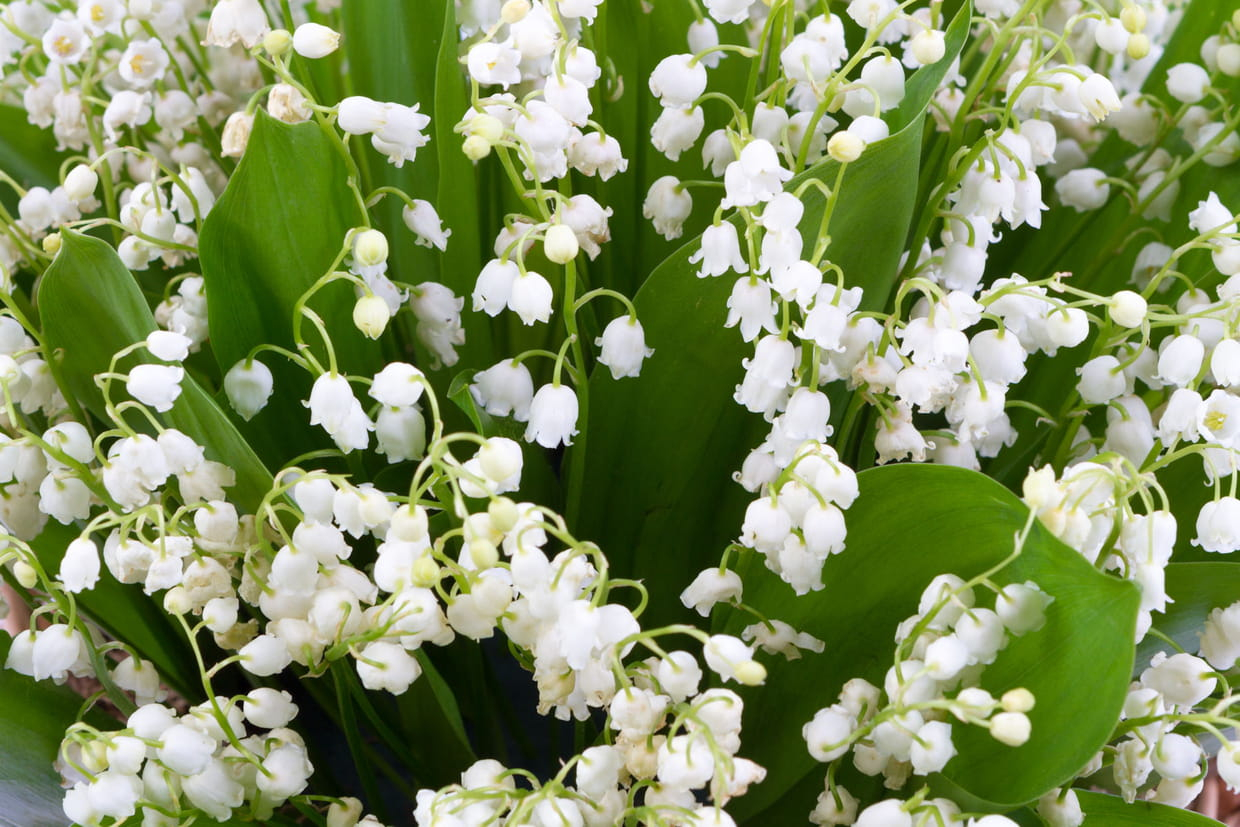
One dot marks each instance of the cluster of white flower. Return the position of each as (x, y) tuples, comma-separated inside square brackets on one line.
[(904, 728)]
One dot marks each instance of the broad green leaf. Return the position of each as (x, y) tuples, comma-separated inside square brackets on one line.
[(274, 232), (661, 449), (921, 521), (33, 718), (1103, 810), (88, 287), (1196, 589)]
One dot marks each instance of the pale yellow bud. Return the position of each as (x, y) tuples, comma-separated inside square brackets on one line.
[(177, 602), (26, 576), (51, 243), (514, 11), (560, 244), (425, 572), (371, 315), (370, 247), (1017, 700), (503, 513), (1011, 728), (277, 42), (476, 147), (750, 673), (1138, 46), (1133, 19), (486, 126), (483, 553), (845, 147)]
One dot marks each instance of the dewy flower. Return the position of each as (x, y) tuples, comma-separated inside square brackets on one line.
[(553, 416), (623, 346)]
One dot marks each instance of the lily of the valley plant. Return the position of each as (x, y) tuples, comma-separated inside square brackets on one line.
[(641, 412)]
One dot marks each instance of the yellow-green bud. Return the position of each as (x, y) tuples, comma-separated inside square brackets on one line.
[(514, 11), (1132, 18), (425, 572), (504, 514), (26, 576), (476, 147), (484, 553), (370, 247), (177, 602), (750, 673), (845, 147), (1138, 46), (560, 244), (51, 243), (277, 42), (1017, 700), (371, 315), (486, 126)]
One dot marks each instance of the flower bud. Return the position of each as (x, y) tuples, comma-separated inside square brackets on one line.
[(51, 243), (476, 147), (514, 11), (483, 553), (500, 459), (1017, 700), (1133, 18), (344, 813), (1128, 309), (1138, 46), (750, 673), (845, 147), (560, 244), (1011, 728), (487, 127), (177, 602), (425, 572), (248, 387), (1228, 58), (277, 42), (503, 513), (370, 248), (314, 40), (370, 315), (80, 183), (25, 574), (928, 46)]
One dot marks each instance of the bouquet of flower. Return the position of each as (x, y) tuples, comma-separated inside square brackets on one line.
[(641, 412)]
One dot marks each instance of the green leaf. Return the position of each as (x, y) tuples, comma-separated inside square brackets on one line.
[(1196, 589), (922, 521), (1103, 810), (33, 718), (87, 285), (274, 232)]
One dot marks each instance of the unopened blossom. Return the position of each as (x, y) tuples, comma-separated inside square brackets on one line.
[(314, 40), (678, 81)]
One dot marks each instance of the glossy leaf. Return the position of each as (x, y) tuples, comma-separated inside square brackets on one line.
[(33, 718), (1103, 810), (274, 232), (87, 280), (910, 524), (662, 448)]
